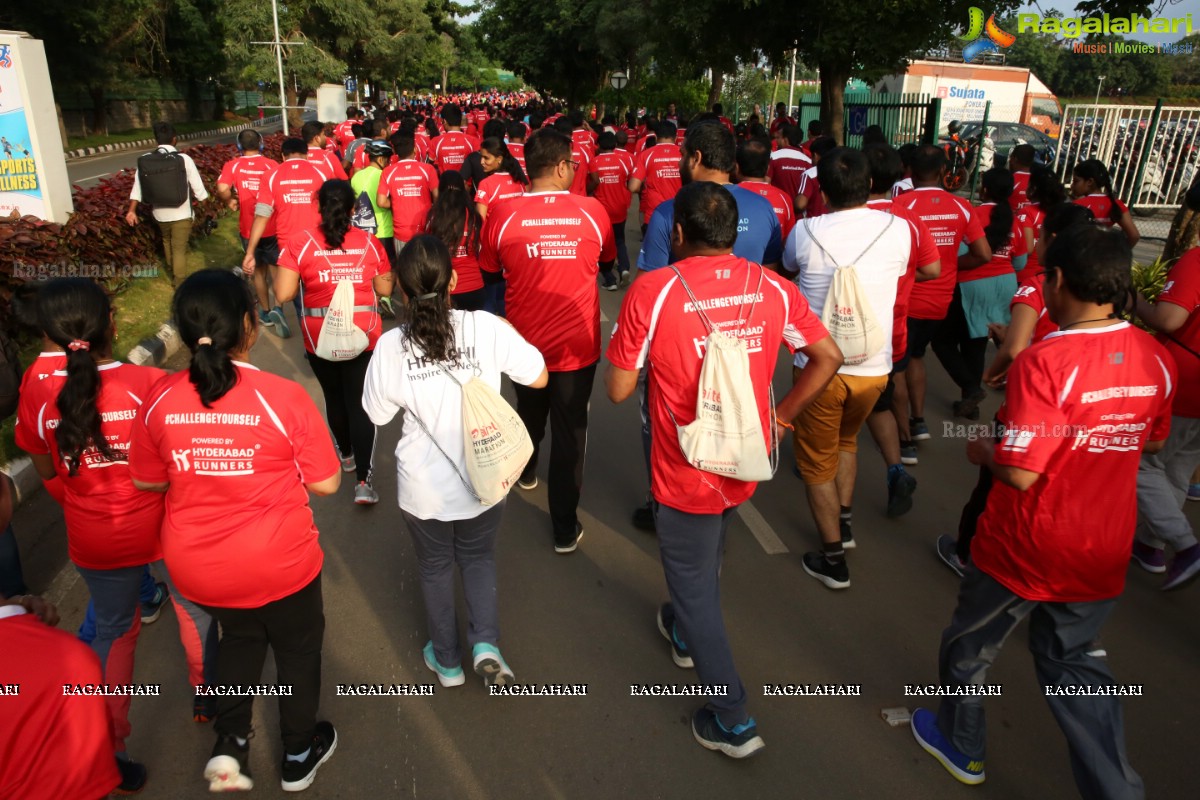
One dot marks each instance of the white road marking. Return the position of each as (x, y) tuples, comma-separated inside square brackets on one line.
[(762, 531), (604, 317), (93, 177)]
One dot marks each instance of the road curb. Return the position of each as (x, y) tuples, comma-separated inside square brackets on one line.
[(84, 152), (149, 352)]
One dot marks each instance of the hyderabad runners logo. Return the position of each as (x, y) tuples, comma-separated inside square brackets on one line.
[(984, 38)]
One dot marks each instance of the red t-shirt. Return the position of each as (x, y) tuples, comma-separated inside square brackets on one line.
[(1183, 289), (496, 187), (421, 147), (1102, 208), (360, 259), (517, 151), (1079, 408), (778, 123), (951, 220), (464, 260), (247, 174), (658, 328), (1020, 185), (325, 157), (450, 150), (583, 157), (585, 140), (409, 186), (614, 169), (42, 367), (238, 531), (549, 246), (810, 187), (788, 165), (343, 133), (1031, 217), (658, 170), (54, 746), (921, 253), (292, 191), (1001, 263), (680, 137), (1029, 293), (780, 202), (110, 524)]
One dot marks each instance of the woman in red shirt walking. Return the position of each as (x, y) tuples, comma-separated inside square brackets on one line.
[(237, 452), (323, 257), (1091, 186), (456, 221)]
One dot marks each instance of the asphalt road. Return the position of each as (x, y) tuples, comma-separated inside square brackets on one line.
[(588, 618)]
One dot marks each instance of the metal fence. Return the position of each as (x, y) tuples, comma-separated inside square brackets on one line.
[(1151, 153), (904, 118)]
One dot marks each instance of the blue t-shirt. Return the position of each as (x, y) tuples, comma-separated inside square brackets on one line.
[(759, 237)]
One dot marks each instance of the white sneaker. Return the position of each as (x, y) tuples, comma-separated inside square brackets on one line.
[(348, 464), (365, 494), (490, 665)]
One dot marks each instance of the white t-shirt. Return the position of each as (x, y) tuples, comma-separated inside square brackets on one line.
[(177, 213), (845, 235), (400, 379)]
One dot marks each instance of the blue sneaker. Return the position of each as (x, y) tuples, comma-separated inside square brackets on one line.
[(741, 742), (919, 430), (280, 326), (1193, 491), (447, 676), (490, 665), (925, 731), (666, 626)]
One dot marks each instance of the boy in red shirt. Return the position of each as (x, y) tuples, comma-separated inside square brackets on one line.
[(451, 149), (608, 180), (408, 188), (656, 173), (314, 137), (753, 162), (1053, 542)]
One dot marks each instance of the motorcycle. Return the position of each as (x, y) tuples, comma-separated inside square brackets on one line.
[(961, 157)]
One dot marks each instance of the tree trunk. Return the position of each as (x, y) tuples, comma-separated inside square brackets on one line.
[(1185, 230), (99, 111), (295, 116), (833, 91), (714, 91), (62, 126), (445, 80)]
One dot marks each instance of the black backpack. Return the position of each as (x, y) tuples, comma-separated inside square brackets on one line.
[(163, 178), (10, 376)]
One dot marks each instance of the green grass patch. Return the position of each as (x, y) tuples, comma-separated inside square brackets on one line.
[(77, 142), (221, 249)]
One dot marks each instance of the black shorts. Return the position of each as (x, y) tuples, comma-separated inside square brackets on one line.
[(885, 400), (267, 251), (920, 334)]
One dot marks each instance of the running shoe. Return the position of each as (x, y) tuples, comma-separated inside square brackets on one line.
[(666, 626), (968, 407), (1193, 491), (742, 741), (1183, 568), (385, 308), (835, 576), (643, 518), (962, 767), (447, 676), (204, 708), (625, 278), (919, 430), (491, 666), (847, 533), (133, 777), (528, 484), (153, 610), (1151, 559), (908, 454), (228, 769), (365, 494), (280, 328), (609, 281), (299, 775), (264, 319), (901, 486), (947, 550), (348, 464), (573, 545)]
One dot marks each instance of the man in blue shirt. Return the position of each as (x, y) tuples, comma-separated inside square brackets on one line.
[(708, 154)]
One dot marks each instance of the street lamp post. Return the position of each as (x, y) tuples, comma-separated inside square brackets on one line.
[(618, 80), (1099, 83)]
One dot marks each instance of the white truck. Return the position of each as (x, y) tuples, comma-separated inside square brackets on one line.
[(1016, 93)]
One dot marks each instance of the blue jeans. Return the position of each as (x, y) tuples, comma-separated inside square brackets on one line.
[(147, 591)]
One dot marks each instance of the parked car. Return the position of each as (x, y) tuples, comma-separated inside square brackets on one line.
[(1007, 135)]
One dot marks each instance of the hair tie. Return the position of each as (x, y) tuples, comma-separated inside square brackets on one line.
[(203, 340), (78, 344), (430, 296)]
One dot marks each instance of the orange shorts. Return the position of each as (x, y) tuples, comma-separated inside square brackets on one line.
[(831, 423)]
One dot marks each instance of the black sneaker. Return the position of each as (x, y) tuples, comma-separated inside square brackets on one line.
[(609, 281), (204, 708), (133, 777), (563, 548), (228, 769), (153, 610), (666, 626), (968, 407), (643, 518), (947, 550), (741, 742), (299, 775), (900, 491), (844, 527), (835, 576)]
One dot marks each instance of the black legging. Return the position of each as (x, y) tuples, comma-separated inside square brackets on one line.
[(961, 355), (342, 384)]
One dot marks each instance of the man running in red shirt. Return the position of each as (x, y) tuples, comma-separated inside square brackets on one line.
[(343, 133), (408, 188), (451, 149), (608, 180), (781, 119), (315, 139), (516, 142), (582, 136), (290, 197), (809, 202), (551, 245), (789, 162), (656, 173), (753, 161), (581, 155), (1053, 542)]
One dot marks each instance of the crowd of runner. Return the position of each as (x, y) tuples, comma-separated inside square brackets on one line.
[(487, 226)]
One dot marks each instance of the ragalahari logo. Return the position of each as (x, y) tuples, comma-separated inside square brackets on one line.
[(984, 38)]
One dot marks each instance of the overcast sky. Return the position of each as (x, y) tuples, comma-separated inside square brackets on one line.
[(1179, 9)]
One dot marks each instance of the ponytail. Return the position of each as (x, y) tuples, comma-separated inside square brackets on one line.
[(76, 314), (1045, 188), (335, 199), (508, 162), (998, 182), (1093, 169), (453, 214), (211, 308), (423, 269)]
